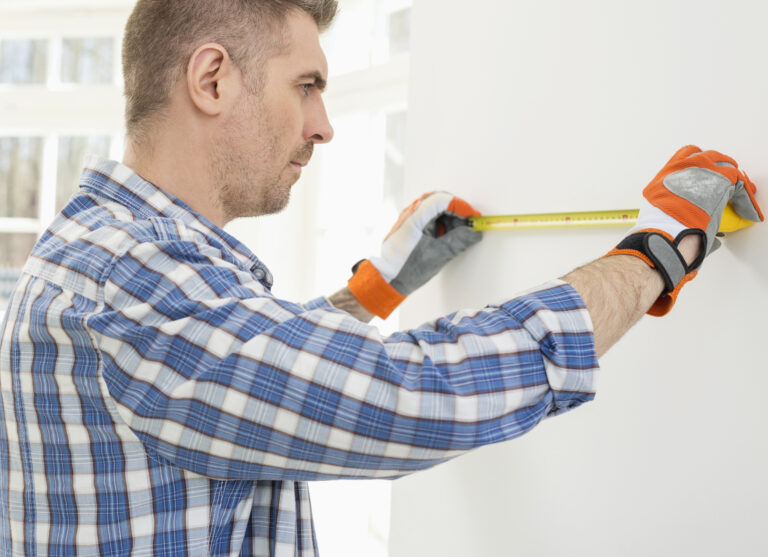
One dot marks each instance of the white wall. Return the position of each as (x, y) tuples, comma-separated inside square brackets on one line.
[(546, 105)]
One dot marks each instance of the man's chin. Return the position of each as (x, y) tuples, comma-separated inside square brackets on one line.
[(272, 201), (274, 204)]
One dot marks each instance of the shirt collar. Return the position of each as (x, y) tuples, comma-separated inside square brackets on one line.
[(117, 182)]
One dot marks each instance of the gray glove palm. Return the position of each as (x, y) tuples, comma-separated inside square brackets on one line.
[(429, 233)]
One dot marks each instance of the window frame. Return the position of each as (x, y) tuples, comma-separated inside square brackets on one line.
[(56, 109)]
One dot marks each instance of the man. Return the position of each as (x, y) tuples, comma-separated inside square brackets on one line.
[(158, 400)]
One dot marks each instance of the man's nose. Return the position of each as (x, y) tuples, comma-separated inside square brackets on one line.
[(318, 129)]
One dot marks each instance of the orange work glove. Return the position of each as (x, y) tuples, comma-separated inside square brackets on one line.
[(429, 233), (687, 197)]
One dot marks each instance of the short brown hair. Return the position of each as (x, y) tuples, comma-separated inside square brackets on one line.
[(161, 35)]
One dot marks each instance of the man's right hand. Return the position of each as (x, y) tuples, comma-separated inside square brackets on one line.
[(686, 198), (429, 233)]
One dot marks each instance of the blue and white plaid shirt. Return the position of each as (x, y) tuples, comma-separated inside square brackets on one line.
[(157, 399)]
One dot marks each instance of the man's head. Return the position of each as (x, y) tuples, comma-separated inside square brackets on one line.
[(161, 35), (230, 90)]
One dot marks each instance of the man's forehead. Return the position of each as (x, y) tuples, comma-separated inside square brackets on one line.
[(302, 46)]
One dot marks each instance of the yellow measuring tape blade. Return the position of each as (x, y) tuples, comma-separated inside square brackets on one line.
[(585, 219)]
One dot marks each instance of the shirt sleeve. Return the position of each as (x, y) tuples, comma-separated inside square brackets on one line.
[(213, 373)]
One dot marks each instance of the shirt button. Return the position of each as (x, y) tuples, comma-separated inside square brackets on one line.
[(259, 274)]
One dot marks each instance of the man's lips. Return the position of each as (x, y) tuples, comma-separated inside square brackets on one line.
[(303, 155)]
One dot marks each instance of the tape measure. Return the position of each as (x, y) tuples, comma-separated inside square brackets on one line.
[(585, 219)]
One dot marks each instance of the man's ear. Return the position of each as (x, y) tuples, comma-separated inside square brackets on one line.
[(213, 80)]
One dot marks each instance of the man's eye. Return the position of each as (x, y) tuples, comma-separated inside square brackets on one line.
[(307, 88)]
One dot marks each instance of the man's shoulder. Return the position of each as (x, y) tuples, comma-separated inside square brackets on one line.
[(86, 239)]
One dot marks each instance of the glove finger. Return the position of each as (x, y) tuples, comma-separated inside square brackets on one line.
[(716, 245), (455, 215), (717, 162), (685, 157), (751, 190), (444, 223), (720, 159), (684, 153), (461, 208), (744, 202), (421, 211)]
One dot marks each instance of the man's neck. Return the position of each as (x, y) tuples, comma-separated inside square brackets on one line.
[(183, 174)]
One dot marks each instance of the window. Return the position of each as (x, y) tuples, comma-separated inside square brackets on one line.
[(23, 61), (399, 32), (21, 161), (59, 100), (71, 154), (87, 61), (15, 248)]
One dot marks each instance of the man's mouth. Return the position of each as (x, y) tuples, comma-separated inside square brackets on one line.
[(303, 155)]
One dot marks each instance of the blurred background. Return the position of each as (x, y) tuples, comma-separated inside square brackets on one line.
[(61, 98)]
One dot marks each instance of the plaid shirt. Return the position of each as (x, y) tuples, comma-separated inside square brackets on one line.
[(157, 399)]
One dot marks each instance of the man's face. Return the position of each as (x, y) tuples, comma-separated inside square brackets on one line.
[(271, 134)]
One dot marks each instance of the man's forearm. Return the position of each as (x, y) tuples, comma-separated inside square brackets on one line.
[(344, 300), (619, 289)]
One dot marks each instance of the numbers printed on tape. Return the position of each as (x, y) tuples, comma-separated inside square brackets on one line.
[(585, 219)]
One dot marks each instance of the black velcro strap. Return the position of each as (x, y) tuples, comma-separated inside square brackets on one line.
[(664, 254), (356, 265), (667, 259), (633, 242)]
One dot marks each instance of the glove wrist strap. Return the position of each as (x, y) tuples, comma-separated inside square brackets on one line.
[(660, 252), (372, 291)]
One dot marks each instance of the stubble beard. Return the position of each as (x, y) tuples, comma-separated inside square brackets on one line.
[(250, 180)]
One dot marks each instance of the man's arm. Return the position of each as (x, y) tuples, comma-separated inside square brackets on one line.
[(344, 300), (216, 375), (679, 219), (618, 290)]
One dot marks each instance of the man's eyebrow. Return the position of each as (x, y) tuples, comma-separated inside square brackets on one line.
[(320, 81)]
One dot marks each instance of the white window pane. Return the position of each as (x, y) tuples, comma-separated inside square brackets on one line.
[(14, 249), (20, 170), (87, 61), (72, 153), (367, 33), (392, 24), (22, 61), (348, 42), (394, 159), (399, 31)]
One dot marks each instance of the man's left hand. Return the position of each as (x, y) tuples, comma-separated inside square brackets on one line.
[(429, 233)]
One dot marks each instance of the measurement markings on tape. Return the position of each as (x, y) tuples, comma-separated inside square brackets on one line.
[(730, 221), (625, 217)]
